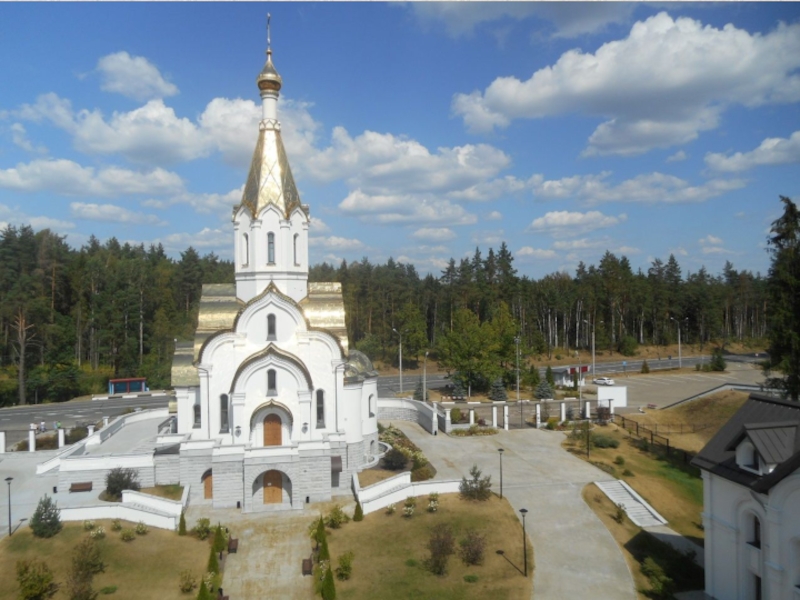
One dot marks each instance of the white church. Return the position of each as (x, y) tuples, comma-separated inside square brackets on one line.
[(276, 409)]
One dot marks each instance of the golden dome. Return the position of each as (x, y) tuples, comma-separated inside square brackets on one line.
[(269, 79)]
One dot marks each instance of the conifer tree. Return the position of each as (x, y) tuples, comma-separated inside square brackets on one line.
[(46, 519), (498, 393)]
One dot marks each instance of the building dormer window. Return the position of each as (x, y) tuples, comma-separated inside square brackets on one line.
[(747, 457), (296, 261), (271, 248), (271, 327), (320, 409), (245, 249), (224, 426), (272, 385)]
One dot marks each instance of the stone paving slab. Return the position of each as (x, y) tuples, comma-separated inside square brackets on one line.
[(576, 556)]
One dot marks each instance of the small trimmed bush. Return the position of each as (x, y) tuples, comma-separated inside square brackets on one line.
[(109, 589), (98, 534), (119, 479), (601, 440), (187, 582), (455, 415), (219, 543), (345, 568), (472, 548), (390, 510), (141, 528), (358, 515), (619, 460), (88, 525), (336, 518), (182, 525), (116, 525), (471, 578), (202, 529), (127, 535), (645, 367), (627, 473), (213, 562), (394, 460)]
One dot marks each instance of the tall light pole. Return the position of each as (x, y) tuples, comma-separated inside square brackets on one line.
[(500, 450), (524, 511), (8, 481), (578, 383), (593, 362), (521, 418), (401, 358), (679, 322), (425, 378)]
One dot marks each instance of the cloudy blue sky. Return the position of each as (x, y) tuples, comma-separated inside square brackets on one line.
[(417, 131)]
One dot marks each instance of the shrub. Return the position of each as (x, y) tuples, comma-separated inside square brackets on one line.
[(408, 512), (46, 519), (182, 525), (628, 346), (423, 473), (619, 513), (35, 580), (410, 562), (662, 585), (441, 545), (645, 367), (141, 528), (324, 552), (552, 422), (219, 543), (75, 435), (477, 488), (88, 525), (98, 534), (109, 589), (336, 518), (213, 562), (544, 390), (394, 460), (328, 587), (627, 473), (202, 529), (358, 515), (345, 568), (472, 548), (410, 501), (86, 563), (433, 506), (698, 366), (187, 582), (600, 440), (127, 535), (548, 376), (471, 578), (204, 594), (455, 415), (116, 525), (497, 393), (619, 460), (119, 479), (390, 509), (717, 360)]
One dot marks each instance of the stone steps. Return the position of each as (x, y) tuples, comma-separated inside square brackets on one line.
[(637, 509)]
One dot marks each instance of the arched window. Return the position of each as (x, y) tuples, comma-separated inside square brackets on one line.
[(224, 426), (270, 327), (320, 409), (756, 539), (271, 248), (371, 405), (245, 249), (196, 416), (272, 386), (296, 261)]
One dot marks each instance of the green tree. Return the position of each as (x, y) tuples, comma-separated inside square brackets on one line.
[(182, 525), (86, 563), (469, 349), (717, 360), (203, 593), (549, 377), (783, 316), (543, 391), (498, 393), (358, 515), (46, 519), (213, 562), (35, 580), (328, 585), (218, 544), (119, 479)]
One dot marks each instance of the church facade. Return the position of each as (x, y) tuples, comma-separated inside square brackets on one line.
[(275, 409)]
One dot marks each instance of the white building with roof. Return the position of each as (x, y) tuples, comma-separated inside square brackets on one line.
[(275, 410)]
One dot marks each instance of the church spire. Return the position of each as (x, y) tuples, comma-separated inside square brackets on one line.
[(269, 82)]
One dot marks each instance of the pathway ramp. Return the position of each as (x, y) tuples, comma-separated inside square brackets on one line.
[(637, 509)]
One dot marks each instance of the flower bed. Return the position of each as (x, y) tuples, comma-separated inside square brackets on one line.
[(421, 469)]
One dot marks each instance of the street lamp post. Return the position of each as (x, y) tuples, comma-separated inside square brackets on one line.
[(524, 511), (425, 378), (8, 481), (580, 389), (401, 358), (521, 418), (500, 450), (594, 374), (678, 321)]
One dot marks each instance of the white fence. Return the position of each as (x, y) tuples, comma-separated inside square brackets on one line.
[(171, 507), (396, 489), (119, 511)]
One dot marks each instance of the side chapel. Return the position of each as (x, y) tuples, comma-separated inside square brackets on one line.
[(276, 409)]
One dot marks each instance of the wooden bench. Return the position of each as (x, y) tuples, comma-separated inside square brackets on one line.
[(83, 486), (233, 545), (652, 406), (308, 566)]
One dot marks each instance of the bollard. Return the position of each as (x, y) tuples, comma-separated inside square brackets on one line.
[(91, 429), (105, 421), (472, 416), (2, 442), (505, 417), (32, 440), (538, 416), (563, 411), (61, 438), (494, 416)]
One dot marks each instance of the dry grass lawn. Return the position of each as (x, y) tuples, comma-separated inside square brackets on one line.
[(170, 492), (689, 426), (390, 552), (636, 543), (368, 477), (673, 490), (147, 567)]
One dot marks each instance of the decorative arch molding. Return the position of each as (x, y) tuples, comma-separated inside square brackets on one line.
[(258, 416), (215, 340), (333, 343), (272, 355), (270, 295), (270, 407), (784, 490)]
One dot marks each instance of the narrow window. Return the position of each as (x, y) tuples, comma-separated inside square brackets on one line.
[(223, 414), (296, 262), (320, 409), (371, 405), (271, 248), (272, 388), (197, 416), (756, 532), (245, 249), (270, 327)]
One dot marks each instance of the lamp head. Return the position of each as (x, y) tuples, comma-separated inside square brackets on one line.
[(524, 511)]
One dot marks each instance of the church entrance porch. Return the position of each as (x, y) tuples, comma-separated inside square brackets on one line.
[(271, 489)]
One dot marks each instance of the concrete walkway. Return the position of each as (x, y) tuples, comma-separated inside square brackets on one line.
[(575, 555), (271, 549)]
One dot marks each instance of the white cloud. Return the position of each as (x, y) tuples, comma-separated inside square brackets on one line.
[(335, 243), (440, 234), (206, 240), (564, 223), (71, 179), (535, 253), (667, 81), (716, 250), (711, 239), (461, 18), (646, 188), (20, 138), (133, 76), (39, 223), (678, 156), (772, 151), (411, 209), (679, 251), (495, 215), (488, 238), (111, 213), (202, 203), (318, 225)]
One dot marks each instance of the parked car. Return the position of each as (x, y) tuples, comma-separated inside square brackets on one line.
[(604, 381)]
